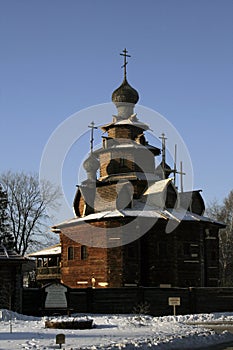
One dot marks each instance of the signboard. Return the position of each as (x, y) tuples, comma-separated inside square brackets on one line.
[(56, 296), (60, 339), (174, 301)]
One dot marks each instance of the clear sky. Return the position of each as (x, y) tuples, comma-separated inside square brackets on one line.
[(59, 57)]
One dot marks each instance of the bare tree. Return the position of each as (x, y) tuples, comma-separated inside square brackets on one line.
[(224, 213), (27, 202), (6, 238)]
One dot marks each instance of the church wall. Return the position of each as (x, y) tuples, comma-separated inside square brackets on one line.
[(190, 258), (125, 132), (144, 161), (130, 160), (120, 132), (86, 263), (104, 158), (105, 265), (212, 257), (115, 267), (183, 258), (131, 259), (111, 162), (197, 256), (105, 198), (157, 257)]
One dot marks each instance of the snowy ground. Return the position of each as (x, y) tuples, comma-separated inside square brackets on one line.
[(114, 332)]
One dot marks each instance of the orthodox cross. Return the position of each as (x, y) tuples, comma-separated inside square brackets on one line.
[(175, 171), (125, 62), (163, 138), (181, 173), (181, 177), (92, 126)]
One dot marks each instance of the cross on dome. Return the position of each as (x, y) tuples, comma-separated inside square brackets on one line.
[(125, 93), (92, 126), (125, 62)]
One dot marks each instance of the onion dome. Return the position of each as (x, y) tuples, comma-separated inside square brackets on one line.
[(125, 93), (91, 165)]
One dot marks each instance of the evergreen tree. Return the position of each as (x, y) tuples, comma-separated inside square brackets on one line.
[(6, 238)]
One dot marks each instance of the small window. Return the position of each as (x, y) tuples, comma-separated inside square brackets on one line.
[(70, 253), (83, 252)]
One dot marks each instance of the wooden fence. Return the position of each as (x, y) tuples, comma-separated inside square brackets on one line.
[(124, 300)]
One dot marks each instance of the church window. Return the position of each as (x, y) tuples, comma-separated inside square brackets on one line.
[(71, 253), (83, 252)]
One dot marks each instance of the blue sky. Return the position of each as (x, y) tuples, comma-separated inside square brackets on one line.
[(59, 57)]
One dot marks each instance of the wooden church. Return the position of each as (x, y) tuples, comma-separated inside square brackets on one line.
[(132, 225)]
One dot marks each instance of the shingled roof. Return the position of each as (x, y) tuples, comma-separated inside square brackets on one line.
[(10, 255)]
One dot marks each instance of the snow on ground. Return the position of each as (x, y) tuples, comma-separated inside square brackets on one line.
[(114, 332)]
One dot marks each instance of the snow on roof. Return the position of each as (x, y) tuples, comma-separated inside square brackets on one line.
[(9, 254), (156, 193), (158, 186), (108, 214), (142, 210), (54, 250), (185, 215), (131, 176), (127, 121)]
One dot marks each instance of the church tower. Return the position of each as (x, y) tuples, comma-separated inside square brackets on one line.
[(119, 236), (125, 157)]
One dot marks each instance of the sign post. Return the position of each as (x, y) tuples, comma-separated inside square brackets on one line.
[(174, 301), (60, 339)]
